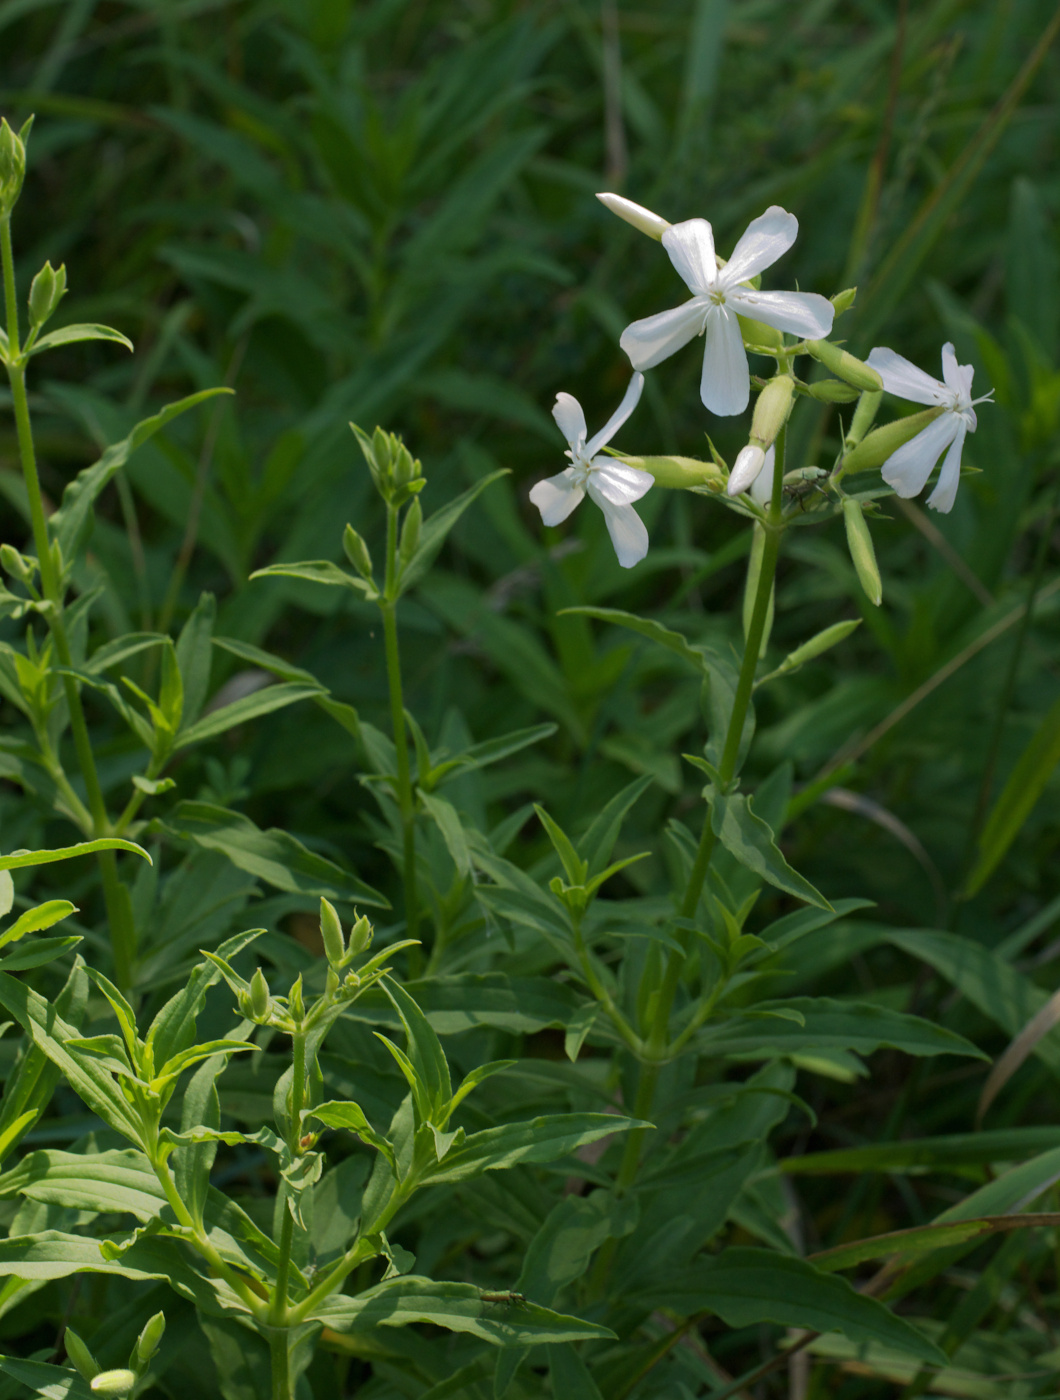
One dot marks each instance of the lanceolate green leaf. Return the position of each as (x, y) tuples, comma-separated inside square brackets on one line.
[(71, 335), (437, 526), (47, 1381), (647, 627), (750, 839), (799, 1024), (19, 859), (749, 1286), (262, 702), (539, 1140)]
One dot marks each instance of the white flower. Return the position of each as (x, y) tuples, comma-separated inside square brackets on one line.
[(908, 469), (762, 486), (651, 224), (610, 483), (717, 296)]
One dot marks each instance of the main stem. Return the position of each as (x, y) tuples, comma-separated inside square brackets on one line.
[(406, 804), (119, 913), (279, 1311)]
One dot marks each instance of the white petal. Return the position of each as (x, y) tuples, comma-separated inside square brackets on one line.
[(951, 370), (726, 385), (903, 379), (654, 339), (618, 483), (767, 238), (628, 532), (635, 214), (745, 469), (802, 313), (908, 469), (945, 492), (567, 412), (556, 497), (691, 249), (630, 399), (762, 486)]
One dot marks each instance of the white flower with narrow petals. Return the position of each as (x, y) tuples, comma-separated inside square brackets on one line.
[(718, 295), (610, 483), (908, 469)]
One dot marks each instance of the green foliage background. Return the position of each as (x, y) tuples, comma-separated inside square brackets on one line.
[(384, 212)]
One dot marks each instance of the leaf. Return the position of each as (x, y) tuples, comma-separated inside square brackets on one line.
[(336, 1114), (924, 1237), (447, 820), (33, 920), (19, 859), (571, 1233), (459, 1307), (747, 1286), (48, 1382), (831, 1024), (750, 840), (1018, 797), (72, 521), (425, 1052), (816, 646), (70, 335), (314, 571), (569, 1375), (647, 627), (248, 707), (957, 1150), (493, 750), (437, 526), (599, 841), (195, 654), (272, 855), (538, 1140), (39, 952)]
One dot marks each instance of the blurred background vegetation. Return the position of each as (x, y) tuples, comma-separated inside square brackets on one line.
[(383, 212)]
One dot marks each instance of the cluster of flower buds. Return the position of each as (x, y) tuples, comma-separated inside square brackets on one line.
[(340, 951), (124, 1380), (12, 164), (398, 476), (46, 292)]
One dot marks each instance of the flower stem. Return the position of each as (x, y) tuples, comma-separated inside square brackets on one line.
[(116, 899), (279, 1308), (406, 801)]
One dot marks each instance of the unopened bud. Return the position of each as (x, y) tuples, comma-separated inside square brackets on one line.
[(833, 391), (149, 1338), (12, 164), (859, 542), (48, 289), (843, 301), (635, 214), (771, 411), (841, 362), (884, 442), (79, 1355), (679, 472), (113, 1382), (360, 936), (295, 1003), (260, 1001), (17, 565), (410, 530), (331, 932), (357, 552), (745, 469), (863, 419)]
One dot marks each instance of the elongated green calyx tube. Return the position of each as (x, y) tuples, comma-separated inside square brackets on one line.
[(833, 391), (881, 443), (12, 165), (859, 542), (148, 1340), (113, 1382), (678, 472), (758, 333), (80, 1355), (331, 932), (635, 214), (864, 417), (260, 1001), (840, 362), (48, 289), (771, 411), (357, 552)]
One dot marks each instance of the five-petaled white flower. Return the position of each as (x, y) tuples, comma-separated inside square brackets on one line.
[(908, 469), (718, 294), (610, 483)]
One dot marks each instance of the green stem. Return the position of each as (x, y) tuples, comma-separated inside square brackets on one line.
[(406, 802), (279, 1308), (600, 992), (119, 913)]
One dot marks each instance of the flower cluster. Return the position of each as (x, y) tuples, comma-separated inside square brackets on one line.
[(728, 309)]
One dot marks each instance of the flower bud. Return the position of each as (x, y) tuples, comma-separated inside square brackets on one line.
[(746, 468), (410, 531), (771, 411), (357, 552), (843, 301), (679, 472), (113, 1382), (884, 442), (396, 473), (260, 1001), (864, 416), (17, 565), (331, 932), (635, 214), (149, 1338), (12, 164), (360, 936), (48, 289), (840, 362), (859, 542), (80, 1356), (295, 1003), (833, 391)]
